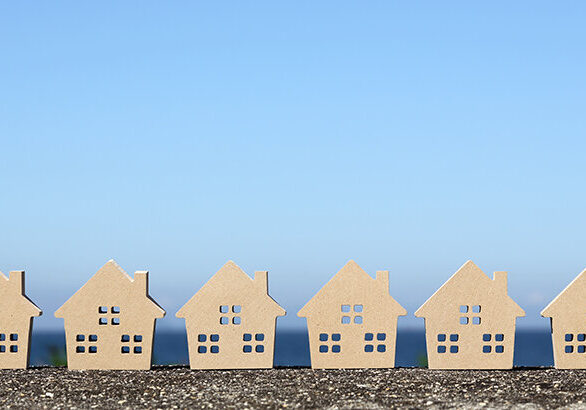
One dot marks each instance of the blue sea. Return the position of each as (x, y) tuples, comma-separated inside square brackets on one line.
[(532, 348)]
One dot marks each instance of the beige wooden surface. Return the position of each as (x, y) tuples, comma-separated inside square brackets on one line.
[(231, 321), (352, 321), (110, 321)]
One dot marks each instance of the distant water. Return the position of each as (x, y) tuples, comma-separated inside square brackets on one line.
[(532, 348)]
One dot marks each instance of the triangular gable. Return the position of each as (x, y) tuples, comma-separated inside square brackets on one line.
[(467, 280), (111, 278), (230, 279), (12, 294), (569, 299), (351, 277)]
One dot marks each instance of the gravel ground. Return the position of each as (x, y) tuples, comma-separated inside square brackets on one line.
[(179, 387)]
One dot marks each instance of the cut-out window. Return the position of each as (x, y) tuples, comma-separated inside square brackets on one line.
[(138, 338), (499, 348), (224, 320), (236, 308), (463, 320), (358, 308), (581, 337), (345, 320), (323, 337), (115, 310), (214, 338), (215, 349), (381, 336), (80, 349), (345, 308), (476, 320), (441, 337), (259, 337), (79, 338), (115, 320), (125, 338), (247, 337), (201, 338), (368, 336), (2, 349), (2, 337), (358, 319), (486, 349), (247, 348), (441, 349), (103, 309), (323, 349), (93, 338), (224, 309), (125, 349), (336, 349), (581, 349), (486, 337), (93, 349), (569, 349), (236, 320), (499, 337), (368, 348), (381, 348), (454, 338), (463, 309), (454, 349), (259, 348), (13, 349), (569, 337), (137, 349), (103, 321), (476, 309), (13, 337), (336, 337)]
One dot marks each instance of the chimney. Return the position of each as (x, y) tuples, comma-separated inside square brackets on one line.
[(16, 280), (141, 281), (261, 280), (500, 280), (382, 278)]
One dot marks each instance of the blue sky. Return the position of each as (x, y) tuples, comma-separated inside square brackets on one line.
[(291, 137)]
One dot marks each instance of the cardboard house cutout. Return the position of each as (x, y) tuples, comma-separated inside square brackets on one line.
[(110, 321), (470, 322), (352, 321), (231, 321), (16, 321), (568, 325)]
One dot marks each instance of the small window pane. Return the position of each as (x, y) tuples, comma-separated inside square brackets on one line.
[(499, 337), (358, 319), (247, 337), (345, 308), (236, 308), (381, 348), (358, 308), (115, 309), (476, 309), (215, 349), (368, 348), (247, 348), (499, 349), (224, 320), (454, 338), (381, 336), (486, 337), (463, 320), (441, 337), (486, 349), (201, 338), (214, 338), (259, 337), (336, 337), (463, 309), (569, 337), (336, 349), (224, 309), (236, 320), (476, 320), (345, 320), (368, 336), (323, 337), (453, 349), (441, 349), (323, 349), (103, 309)]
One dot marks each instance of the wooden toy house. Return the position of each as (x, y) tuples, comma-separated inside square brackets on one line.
[(568, 325), (110, 321), (352, 321), (231, 321), (470, 322), (16, 321)]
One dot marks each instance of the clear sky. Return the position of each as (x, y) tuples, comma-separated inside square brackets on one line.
[(291, 137)]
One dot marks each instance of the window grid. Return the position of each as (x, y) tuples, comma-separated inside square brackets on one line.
[(445, 344), (493, 343), (208, 343), (86, 343), (375, 342), (575, 343), (230, 314), (352, 314), (330, 342), (12, 346), (131, 344), (470, 314), (253, 342), (108, 315)]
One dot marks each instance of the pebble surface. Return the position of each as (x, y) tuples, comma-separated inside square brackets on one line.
[(180, 387)]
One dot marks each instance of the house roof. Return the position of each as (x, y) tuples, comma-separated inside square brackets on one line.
[(468, 281), (13, 298), (231, 279), (570, 299), (350, 278), (114, 281)]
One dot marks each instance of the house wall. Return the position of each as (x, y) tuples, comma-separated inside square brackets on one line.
[(231, 335), (14, 342), (569, 342)]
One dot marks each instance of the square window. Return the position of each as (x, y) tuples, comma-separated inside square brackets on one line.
[(138, 349), (345, 308), (115, 309), (441, 337), (214, 338), (486, 337), (215, 349), (236, 320), (358, 308), (80, 349), (454, 338), (581, 337), (259, 337), (345, 320), (381, 348), (247, 337), (137, 338), (13, 349), (13, 336), (499, 348), (247, 348), (93, 349), (486, 349), (125, 338), (476, 320), (463, 320), (259, 348), (463, 309), (103, 309), (93, 338), (224, 320), (224, 309), (115, 320), (103, 321), (336, 349), (499, 337), (381, 336), (368, 336), (368, 348), (569, 349), (358, 319), (453, 349), (476, 309), (79, 338), (336, 337), (581, 349), (125, 349), (569, 337), (236, 308), (323, 349), (323, 337), (2, 349), (201, 338), (2, 337), (441, 349)]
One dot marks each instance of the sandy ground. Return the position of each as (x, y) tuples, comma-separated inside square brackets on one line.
[(179, 387)]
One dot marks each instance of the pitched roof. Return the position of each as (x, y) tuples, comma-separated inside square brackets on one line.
[(470, 280), (113, 280), (13, 297), (231, 279), (352, 277), (569, 299)]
